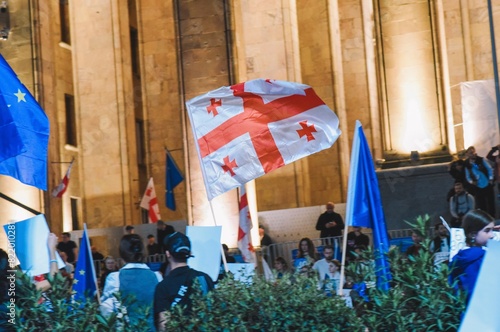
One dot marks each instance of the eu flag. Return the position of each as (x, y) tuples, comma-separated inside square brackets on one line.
[(85, 282), (24, 131), (364, 205), (172, 177)]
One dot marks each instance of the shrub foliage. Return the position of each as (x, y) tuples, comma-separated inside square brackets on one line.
[(420, 299)]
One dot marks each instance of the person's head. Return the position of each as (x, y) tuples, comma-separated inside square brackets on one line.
[(306, 247), (226, 248), (459, 187), (110, 263), (478, 227), (328, 252), (471, 153), (357, 230), (178, 247), (262, 231), (160, 225), (151, 239), (66, 237), (416, 236), (131, 248), (330, 207), (441, 230), (334, 266), (93, 249), (280, 264), (130, 229)]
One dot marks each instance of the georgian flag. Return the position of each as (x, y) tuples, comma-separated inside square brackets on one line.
[(244, 236), (249, 129), (150, 202), (61, 188)]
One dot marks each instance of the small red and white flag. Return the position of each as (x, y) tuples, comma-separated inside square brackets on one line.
[(61, 188), (249, 129), (150, 202), (244, 236)]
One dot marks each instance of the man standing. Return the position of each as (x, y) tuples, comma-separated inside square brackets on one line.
[(69, 247), (153, 247), (480, 175), (176, 287), (460, 203), (330, 223)]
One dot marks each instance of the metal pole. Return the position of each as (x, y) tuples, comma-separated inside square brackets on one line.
[(35, 212), (494, 55)]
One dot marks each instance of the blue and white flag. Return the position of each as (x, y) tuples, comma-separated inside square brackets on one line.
[(85, 281), (28, 239), (482, 311), (24, 131), (364, 205)]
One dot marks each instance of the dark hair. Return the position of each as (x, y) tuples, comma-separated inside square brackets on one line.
[(336, 262), (283, 262), (67, 234), (436, 226), (310, 248), (328, 246), (132, 248), (150, 236), (128, 228), (474, 221)]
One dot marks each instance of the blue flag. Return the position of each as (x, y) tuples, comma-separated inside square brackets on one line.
[(85, 282), (172, 178), (24, 131), (364, 205)]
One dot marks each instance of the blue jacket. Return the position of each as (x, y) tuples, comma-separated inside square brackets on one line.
[(465, 268)]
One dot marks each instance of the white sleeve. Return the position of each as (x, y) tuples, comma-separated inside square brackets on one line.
[(109, 303)]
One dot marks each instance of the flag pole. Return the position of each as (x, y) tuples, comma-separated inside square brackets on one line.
[(94, 276), (340, 290), (10, 199), (226, 269)]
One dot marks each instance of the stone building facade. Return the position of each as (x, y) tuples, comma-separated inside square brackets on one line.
[(113, 77)]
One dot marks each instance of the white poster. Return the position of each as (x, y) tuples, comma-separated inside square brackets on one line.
[(480, 116), (206, 249)]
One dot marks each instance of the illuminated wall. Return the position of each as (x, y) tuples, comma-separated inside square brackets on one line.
[(412, 109)]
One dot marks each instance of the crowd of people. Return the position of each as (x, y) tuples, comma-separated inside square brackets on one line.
[(471, 203)]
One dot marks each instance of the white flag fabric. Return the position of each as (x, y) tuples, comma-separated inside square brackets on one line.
[(244, 236), (61, 188), (479, 115), (150, 202), (249, 129)]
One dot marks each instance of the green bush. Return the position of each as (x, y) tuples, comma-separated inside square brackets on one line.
[(420, 299)]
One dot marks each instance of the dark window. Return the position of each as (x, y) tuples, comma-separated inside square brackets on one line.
[(69, 102), (74, 213), (141, 147), (134, 50), (64, 17)]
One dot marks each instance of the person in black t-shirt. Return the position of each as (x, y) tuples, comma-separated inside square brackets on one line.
[(69, 247), (176, 287)]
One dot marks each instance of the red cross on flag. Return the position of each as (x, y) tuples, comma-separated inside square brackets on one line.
[(244, 236), (150, 202), (249, 129)]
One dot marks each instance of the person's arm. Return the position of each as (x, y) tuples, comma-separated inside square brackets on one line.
[(320, 225), (339, 221), (490, 155), (75, 252), (163, 318), (452, 208), (52, 243), (489, 169), (472, 202)]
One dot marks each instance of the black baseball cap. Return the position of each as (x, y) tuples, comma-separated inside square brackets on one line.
[(178, 245)]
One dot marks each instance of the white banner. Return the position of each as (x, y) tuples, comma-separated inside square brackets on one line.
[(480, 115)]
